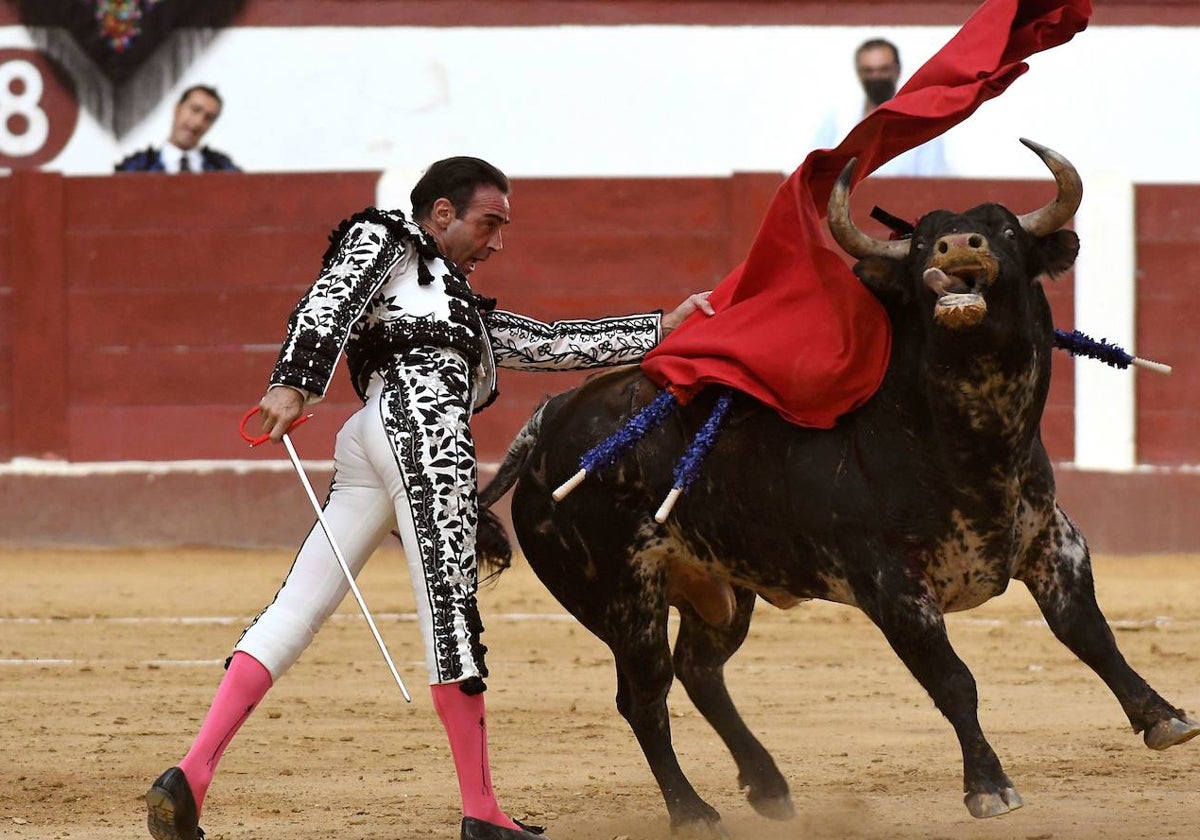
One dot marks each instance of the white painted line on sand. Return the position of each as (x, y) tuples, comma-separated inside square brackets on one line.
[(246, 619)]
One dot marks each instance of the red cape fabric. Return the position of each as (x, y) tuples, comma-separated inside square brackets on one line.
[(794, 327)]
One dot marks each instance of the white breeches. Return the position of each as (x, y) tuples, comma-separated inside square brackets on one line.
[(405, 461)]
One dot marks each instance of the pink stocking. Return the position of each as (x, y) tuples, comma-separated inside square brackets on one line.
[(463, 717), (242, 688)]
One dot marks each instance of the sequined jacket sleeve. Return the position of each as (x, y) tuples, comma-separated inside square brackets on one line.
[(321, 323), (521, 342)]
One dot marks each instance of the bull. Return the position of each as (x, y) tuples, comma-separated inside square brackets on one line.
[(928, 499)]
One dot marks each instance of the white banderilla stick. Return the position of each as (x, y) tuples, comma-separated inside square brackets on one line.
[(337, 552)]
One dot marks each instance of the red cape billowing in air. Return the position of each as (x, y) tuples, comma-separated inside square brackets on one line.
[(794, 327)]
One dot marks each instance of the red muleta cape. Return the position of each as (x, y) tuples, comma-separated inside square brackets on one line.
[(794, 327)]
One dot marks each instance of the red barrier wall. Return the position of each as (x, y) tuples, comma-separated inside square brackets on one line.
[(6, 308), (148, 309), (1168, 408), (141, 315)]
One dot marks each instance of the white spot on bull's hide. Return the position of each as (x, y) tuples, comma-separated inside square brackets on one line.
[(1074, 548), (1064, 562)]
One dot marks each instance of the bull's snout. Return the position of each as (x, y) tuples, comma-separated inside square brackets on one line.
[(960, 270), (965, 263), (960, 241)]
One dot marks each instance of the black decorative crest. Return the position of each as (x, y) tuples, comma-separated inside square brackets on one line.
[(124, 55)]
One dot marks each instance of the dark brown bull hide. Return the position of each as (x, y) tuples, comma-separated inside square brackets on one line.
[(928, 499)]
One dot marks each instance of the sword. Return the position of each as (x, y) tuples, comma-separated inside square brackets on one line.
[(337, 552)]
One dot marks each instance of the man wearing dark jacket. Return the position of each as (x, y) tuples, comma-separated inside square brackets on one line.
[(195, 113)]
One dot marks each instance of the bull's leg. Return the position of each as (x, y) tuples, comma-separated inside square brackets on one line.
[(640, 646), (622, 601), (905, 609), (1058, 573), (701, 652)]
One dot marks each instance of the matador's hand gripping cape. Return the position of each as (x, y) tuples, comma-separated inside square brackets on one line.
[(794, 327)]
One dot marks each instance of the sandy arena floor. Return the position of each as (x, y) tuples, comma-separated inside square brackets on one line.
[(108, 661)]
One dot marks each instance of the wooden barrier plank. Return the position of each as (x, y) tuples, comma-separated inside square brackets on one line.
[(5, 385), (607, 205), (6, 452), (169, 377), (749, 196), (5, 213), (1167, 212), (1166, 437), (184, 433), (220, 200), (214, 260), (1058, 420), (38, 321), (6, 306), (180, 377), (1168, 407), (197, 319)]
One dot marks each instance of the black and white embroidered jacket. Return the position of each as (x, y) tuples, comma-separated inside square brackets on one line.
[(384, 287)]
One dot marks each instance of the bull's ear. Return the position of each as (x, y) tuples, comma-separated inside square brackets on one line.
[(1058, 251), (882, 276)]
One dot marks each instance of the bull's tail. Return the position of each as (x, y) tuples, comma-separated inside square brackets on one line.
[(492, 546)]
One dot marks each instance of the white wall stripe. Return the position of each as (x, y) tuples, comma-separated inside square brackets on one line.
[(1106, 307)]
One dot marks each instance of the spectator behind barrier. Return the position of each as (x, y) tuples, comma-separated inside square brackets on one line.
[(195, 113), (877, 64)]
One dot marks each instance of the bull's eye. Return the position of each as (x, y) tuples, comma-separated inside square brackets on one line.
[(1009, 233)]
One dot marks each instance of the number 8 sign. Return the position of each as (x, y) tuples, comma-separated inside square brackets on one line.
[(38, 109)]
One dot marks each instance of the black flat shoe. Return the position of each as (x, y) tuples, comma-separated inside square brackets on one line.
[(171, 808), (473, 829)]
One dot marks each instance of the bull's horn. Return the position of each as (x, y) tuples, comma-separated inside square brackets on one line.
[(853, 241), (1070, 193)]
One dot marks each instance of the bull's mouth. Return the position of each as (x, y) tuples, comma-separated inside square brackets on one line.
[(956, 311), (961, 276), (960, 302), (974, 277)]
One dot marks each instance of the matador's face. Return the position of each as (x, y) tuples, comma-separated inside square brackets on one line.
[(470, 238)]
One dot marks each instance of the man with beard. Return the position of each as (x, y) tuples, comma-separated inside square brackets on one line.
[(877, 64), (394, 296)]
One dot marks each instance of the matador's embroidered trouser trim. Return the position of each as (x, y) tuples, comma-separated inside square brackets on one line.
[(426, 408), (406, 460)]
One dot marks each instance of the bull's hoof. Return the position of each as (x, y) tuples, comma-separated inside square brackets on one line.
[(983, 805), (1168, 733), (701, 830), (774, 807)]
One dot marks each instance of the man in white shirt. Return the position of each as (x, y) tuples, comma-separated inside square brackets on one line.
[(195, 113), (877, 63)]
